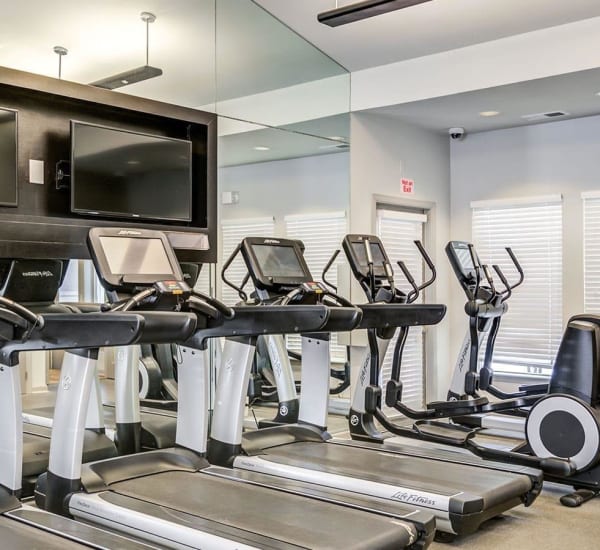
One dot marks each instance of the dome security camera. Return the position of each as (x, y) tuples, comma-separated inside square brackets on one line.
[(457, 133)]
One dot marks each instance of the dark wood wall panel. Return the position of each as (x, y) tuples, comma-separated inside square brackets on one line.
[(42, 224)]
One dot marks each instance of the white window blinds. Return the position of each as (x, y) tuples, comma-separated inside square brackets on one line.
[(232, 233), (321, 234), (591, 252), (530, 332), (398, 231)]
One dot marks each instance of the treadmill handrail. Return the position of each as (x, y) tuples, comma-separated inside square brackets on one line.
[(254, 320)]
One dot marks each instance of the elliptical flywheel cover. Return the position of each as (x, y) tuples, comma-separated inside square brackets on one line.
[(564, 426)]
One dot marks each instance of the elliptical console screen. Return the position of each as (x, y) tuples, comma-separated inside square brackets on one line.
[(376, 252), (354, 247), (135, 256), (278, 261), (460, 257)]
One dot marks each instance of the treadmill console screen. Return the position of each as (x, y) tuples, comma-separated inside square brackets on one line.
[(127, 259), (275, 264), (134, 256), (278, 261)]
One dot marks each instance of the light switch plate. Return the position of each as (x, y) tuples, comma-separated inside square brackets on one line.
[(36, 171)]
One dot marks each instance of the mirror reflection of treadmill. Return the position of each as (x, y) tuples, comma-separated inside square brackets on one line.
[(461, 493)]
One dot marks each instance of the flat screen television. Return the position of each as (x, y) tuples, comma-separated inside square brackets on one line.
[(8, 157), (125, 174)]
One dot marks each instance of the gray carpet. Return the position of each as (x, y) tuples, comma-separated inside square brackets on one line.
[(545, 525)]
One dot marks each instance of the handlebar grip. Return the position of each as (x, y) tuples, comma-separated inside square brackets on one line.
[(423, 253), (225, 310), (204, 307), (557, 466), (28, 315), (406, 272)]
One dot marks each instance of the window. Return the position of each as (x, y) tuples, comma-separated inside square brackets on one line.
[(322, 235), (233, 232), (531, 330), (591, 252), (398, 230), (81, 284)]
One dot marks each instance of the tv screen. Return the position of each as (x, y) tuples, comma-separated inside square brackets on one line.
[(278, 261), (131, 175), (134, 256), (8, 158)]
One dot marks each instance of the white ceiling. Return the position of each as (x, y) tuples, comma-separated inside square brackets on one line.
[(255, 53), (574, 93), (425, 29)]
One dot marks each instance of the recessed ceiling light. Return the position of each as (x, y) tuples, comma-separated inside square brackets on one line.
[(336, 138), (261, 148), (597, 93), (124, 81), (489, 113)]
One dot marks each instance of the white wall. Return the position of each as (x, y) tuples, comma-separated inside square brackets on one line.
[(295, 186), (558, 157), (383, 151)]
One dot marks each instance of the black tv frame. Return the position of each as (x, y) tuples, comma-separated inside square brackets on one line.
[(120, 215)]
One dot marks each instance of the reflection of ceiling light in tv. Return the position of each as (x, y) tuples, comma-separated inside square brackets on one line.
[(138, 74), (133, 162), (261, 148)]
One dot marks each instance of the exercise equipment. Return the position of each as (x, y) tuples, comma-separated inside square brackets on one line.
[(461, 497), (174, 497), (551, 447), (23, 526), (271, 379)]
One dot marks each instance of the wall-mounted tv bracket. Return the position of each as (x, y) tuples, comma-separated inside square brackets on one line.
[(63, 174)]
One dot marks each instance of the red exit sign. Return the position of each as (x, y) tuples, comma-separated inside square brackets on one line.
[(408, 186)]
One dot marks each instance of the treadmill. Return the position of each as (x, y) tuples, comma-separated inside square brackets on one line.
[(19, 282), (39, 294), (23, 526), (461, 496), (173, 497)]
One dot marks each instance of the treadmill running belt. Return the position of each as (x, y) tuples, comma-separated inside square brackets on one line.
[(413, 472), (271, 513), (17, 536)]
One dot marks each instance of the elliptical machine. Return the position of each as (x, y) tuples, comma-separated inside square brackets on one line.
[(564, 421), (563, 433)]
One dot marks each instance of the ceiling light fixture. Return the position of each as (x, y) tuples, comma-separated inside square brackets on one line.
[(261, 148), (60, 51), (138, 74), (597, 93), (489, 113), (363, 10)]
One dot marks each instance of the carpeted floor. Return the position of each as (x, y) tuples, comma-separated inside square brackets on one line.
[(546, 525)]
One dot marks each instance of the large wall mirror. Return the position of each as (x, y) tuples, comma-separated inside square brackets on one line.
[(283, 106)]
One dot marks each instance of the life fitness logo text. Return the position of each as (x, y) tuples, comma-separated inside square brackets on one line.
[(413, 498), (44, 273), (271, 241), (129, 232)]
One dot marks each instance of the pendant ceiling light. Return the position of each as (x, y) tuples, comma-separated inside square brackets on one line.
[(138, 74), (363, 10)]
